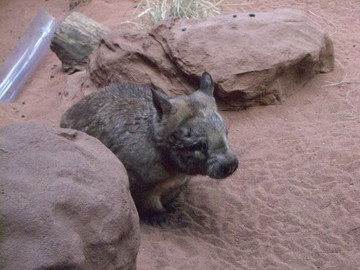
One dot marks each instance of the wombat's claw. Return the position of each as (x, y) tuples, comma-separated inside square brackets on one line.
[(157, 219)]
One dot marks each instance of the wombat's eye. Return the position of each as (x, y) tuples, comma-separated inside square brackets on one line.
[(199, 146), (179, 135)]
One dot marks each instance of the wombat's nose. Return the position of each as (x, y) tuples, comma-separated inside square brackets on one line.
[(227, 168), (223, 166), (232, 166)]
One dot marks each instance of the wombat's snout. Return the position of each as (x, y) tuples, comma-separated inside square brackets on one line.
[(229, 167), (223, 167)]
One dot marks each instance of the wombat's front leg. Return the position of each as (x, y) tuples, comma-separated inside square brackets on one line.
[(155, 204), (152, 210)]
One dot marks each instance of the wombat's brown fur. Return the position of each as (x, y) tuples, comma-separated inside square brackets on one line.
[(160, 140)]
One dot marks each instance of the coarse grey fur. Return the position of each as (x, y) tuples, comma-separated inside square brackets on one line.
[(160, 140)]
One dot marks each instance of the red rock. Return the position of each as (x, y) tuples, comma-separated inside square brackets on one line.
[(253, 60), (65, 202)]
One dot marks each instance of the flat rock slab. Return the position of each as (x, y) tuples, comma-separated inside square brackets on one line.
[(255, 59), (65, 202)]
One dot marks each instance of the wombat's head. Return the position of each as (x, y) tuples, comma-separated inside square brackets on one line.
[(192, 133)]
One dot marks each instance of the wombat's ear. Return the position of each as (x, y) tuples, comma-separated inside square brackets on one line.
[(207, 84), (161, 103)]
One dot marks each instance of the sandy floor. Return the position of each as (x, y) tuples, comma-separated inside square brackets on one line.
[(294, 202)]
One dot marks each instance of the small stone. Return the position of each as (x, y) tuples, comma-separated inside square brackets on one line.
[(52, 76), (184, 29), (234, 16), (252, 15), (351, 182)]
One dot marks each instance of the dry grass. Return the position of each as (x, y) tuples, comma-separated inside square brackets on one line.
[(159, 10), (154, 11)]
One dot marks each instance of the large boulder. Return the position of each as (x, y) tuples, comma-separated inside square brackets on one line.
[(65, 202), (257, 59)]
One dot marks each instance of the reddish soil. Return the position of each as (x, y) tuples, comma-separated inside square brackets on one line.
[(294, 202)]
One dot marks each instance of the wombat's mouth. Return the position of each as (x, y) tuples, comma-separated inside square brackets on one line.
[(221, 170)]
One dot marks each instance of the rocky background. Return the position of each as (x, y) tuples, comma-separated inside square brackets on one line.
[(294, 201), (255, 58)]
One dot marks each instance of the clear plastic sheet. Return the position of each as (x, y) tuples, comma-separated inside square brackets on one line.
[(23, 60)]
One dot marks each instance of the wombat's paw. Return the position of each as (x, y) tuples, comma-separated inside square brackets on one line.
[(157, 219), (172, 205)]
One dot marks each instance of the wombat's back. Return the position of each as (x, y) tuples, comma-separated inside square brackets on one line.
[(118, 110)]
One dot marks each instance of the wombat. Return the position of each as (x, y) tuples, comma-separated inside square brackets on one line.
[(160, 140)]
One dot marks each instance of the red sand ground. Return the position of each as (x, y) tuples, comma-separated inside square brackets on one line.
[(294, 201)]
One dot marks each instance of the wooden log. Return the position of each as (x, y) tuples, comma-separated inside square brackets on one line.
[(75, 39)]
